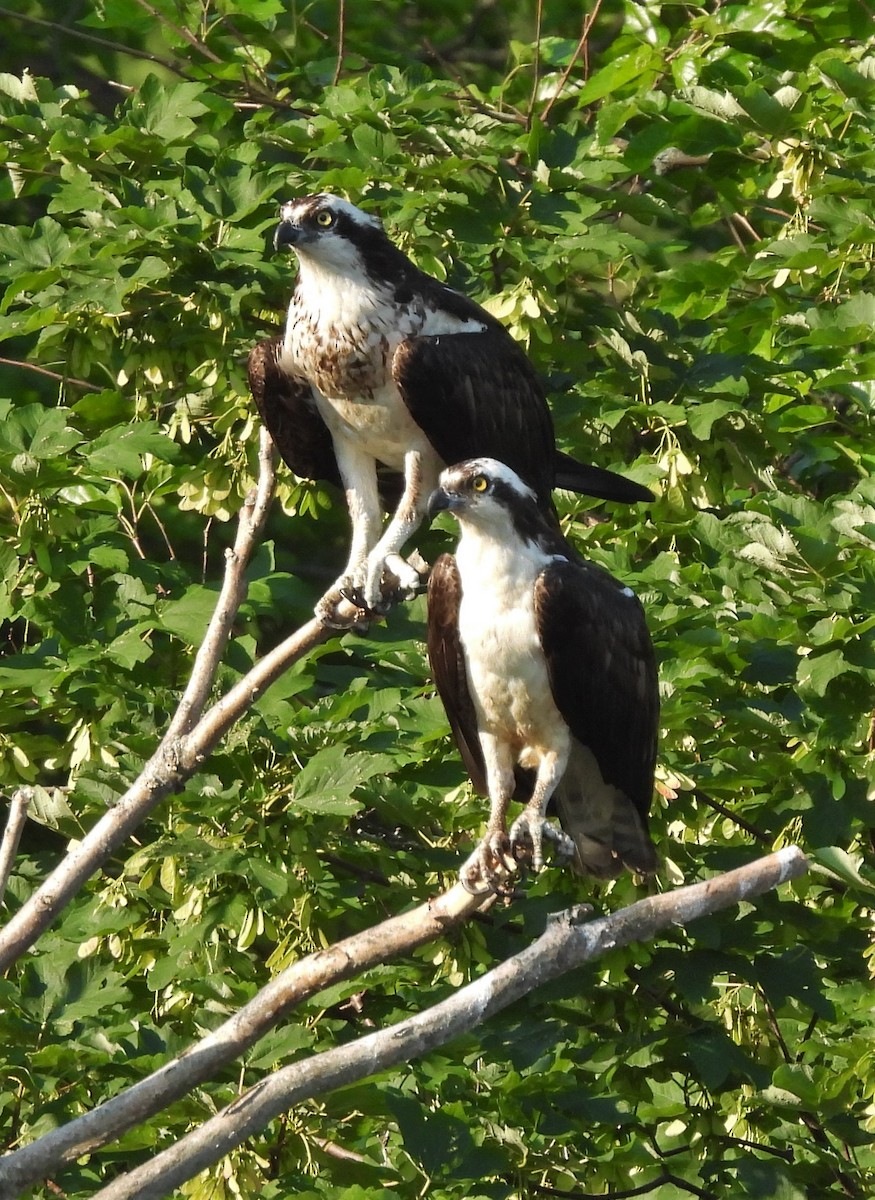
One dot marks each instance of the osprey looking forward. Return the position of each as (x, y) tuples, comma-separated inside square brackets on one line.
[(546, 670), (382, 364)]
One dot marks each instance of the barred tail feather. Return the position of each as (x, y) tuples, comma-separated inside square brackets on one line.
[(607, 830)]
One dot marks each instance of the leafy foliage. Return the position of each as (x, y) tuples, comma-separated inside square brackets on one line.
[(677, 223)]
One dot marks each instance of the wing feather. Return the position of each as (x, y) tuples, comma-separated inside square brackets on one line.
[(476, 395), (447, 659), (603, 677), (286, 407)]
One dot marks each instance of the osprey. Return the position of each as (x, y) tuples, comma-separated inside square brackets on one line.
[(546, 669), (382, 364)]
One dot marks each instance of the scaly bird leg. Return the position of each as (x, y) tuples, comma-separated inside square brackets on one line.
[(491, 863), (420, 480), (531, 826), (359, 473)]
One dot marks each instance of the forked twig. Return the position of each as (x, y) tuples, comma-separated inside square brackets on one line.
[(181, 753)]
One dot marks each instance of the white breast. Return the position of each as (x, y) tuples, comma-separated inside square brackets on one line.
[(341, 335), (507, 671)]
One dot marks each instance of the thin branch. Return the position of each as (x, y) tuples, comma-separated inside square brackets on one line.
[(626, 1193), (776, 1151), (341, 40), (536, 75), (116, 47), (509, 118), (809, 1120), (566, 944), (731, 816), (742, 222), (297, 983), (177, 68), (18, 806), (148, 507), (26, 366), (579, 49), (249, 527), (181, 32), (175, 760), (684, 1185), (339, 1152)]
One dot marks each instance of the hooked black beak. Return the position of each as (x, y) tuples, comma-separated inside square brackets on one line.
[(286, 234), (441, 500)]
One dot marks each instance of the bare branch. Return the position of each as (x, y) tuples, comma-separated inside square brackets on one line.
[(185, 34), (21, 798), (758, 834), (579, 49), (177, 757), (393, 937), (566, 944), (118, 47), (509, 118), (626, 1193), (250, 524), (26, 366)]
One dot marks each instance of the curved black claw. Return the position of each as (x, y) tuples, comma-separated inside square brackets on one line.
[(490, 868), (326, 611), (355, 595), (529, 832)]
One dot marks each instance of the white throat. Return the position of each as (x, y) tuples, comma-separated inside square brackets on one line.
[(339, 295), (493, 559)]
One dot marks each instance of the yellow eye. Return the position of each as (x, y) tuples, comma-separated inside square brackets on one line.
[(324, 218), (479, 483)]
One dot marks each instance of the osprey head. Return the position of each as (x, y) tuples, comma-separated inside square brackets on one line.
[(485, 492), (329, 230)]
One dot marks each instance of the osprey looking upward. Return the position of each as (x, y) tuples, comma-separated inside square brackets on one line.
[(382, 364), (546, 670)]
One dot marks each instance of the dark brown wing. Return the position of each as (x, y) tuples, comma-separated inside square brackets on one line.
[(447, 661), (287, 409), (476, 395), (602, 672)]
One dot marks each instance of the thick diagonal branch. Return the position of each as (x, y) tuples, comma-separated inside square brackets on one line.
[(566, 944), (344, 960)]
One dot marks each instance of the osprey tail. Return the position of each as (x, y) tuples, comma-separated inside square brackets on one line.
[(607, 830), (580, 477)]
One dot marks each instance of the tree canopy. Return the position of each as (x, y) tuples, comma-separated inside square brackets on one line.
[(670, 207)]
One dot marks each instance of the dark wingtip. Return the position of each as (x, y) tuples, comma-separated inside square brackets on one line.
[(594, 481)]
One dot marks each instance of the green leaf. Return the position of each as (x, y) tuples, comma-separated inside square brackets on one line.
[(837, 860), (701, 418), (613, 77), (817, 671), (327, 781), (120, 451), (189, 616), (167, 111)]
